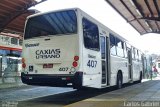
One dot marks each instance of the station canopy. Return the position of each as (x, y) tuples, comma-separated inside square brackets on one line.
[(13, 14), (143, 15)]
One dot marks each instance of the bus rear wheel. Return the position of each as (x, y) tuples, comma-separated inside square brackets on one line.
[(119, 81)]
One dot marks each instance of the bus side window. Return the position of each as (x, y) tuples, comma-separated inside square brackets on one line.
[(140, 56), (119, 46), (103, 47), (125, 50), (137, 55), (133, 53), (91, 35), (112, 45)]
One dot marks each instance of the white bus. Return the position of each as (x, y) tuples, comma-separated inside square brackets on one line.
[(69, 48)]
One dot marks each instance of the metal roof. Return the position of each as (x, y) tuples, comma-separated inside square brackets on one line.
[(143, 15), (13, 14)]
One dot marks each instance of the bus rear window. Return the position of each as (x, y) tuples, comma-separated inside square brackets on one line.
[(55, 23)]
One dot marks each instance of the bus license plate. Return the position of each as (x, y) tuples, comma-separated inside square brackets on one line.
[(47, 65)]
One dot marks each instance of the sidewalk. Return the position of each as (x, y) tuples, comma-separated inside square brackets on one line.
[(135, 95), (145, 94), (157, 78), (10, 83), (153, 78)]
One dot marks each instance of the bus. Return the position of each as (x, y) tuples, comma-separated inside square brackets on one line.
[(69, 48)]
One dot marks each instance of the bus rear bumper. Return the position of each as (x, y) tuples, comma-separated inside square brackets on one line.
[(53, 80)]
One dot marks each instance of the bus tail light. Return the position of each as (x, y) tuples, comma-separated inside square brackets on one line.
[(68, 78), (75, 64), (23, 63), (76, 58)]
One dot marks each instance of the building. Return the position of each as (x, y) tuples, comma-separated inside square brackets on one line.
[(10, 56)]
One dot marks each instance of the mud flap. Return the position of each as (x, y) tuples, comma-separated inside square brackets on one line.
[(78, 77)]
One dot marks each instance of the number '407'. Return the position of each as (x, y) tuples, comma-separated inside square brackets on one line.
[(92, 63)]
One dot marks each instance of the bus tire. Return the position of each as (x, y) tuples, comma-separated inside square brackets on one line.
[(119, 80)]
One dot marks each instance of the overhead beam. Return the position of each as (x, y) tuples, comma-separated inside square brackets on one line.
[(151, 18), (149, 8), (147, 18), (3, 5), (12, 16), (115, 9), (14, 3), (138, 7), (157, 26), (16, 24), (23, 1), (141, 12), (121, 15), (132, 14), (12, 31), (156, 5), (158, 12), (15, 28), (158, 32)]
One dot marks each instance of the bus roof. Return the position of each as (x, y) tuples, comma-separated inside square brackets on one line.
[(112, 32), (42, 13), (100, 24)]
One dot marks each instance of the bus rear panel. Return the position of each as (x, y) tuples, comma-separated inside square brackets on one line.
[(51, 49)]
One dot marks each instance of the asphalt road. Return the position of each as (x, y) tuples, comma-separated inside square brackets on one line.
[(34, 96), (25, 95)]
